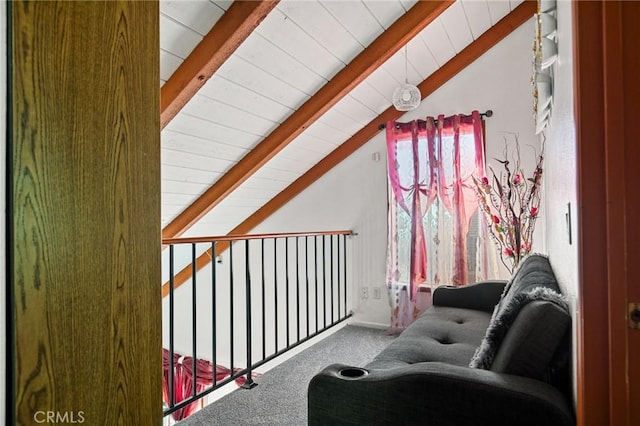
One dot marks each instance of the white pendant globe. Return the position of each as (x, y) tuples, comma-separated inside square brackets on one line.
[(406, 97)]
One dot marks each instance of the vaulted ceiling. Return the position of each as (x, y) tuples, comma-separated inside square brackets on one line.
[(260, 99)]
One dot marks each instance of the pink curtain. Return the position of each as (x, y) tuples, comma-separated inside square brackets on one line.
[(183, 375), (430, 166)]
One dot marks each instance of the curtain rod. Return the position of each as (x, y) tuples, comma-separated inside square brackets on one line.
[(487, 114)]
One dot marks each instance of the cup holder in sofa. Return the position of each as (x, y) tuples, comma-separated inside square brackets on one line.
[(352, 373)]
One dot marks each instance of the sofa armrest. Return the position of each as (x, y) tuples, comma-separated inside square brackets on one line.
[(434, 393), (483, 295)]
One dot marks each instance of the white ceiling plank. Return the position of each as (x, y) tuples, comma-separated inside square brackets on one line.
[(326, 132), (421, 58), (311, 142), (357, 19), (180, 199), (169, 212), (367, 94), (343, 122), (386, 12), (384, 83), (437, 40), (168, 186), (408, 4), (176, 38), (256, 182), (292, 39), (289, 164), (267, 172), (321, 25), (217, 112), (187, 174), (478, 16), (299, 151), (228, 212), (222, 4), (198, 15), (395, 67), (230, 93), (355, 110), (259, 194), (276, 62), (208, 229), (253, 78), (194, 162), (498, 9), (199, 146), (204, 129), (457, 27), (168, 64), (243, 202), (515, 3)]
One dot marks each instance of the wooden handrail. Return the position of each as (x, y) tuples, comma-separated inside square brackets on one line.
[(238, 237)]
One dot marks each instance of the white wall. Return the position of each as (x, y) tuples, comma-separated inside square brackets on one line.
[(561, 172), (3, 210), (353, 195)]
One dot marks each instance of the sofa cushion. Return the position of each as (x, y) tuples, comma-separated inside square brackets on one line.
[(524, 334), (533, 271), (440, 334), (532, 345)]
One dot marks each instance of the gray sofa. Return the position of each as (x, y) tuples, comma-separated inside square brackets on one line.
[(492, 353)]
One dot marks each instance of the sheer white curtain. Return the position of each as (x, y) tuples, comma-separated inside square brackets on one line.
[(434, 234)]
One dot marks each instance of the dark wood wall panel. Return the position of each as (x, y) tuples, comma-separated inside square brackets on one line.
[(85, 247)]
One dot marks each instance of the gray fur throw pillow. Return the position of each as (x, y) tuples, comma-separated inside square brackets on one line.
[(502, 319)]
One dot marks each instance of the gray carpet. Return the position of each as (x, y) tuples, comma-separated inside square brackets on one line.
[(280, 399)]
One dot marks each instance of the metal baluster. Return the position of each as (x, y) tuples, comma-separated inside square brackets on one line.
[(315, 268), (194, 317), (331, 271), (264, 338), (344, 254), (286, 267), (306, 272), (172, 397), (249, 383), (297, 290), (338, 270), (275, 292), (213, 312), (231, 305), (324, 280)]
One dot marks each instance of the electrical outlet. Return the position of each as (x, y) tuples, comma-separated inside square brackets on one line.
[(376, 292), (364, 292)]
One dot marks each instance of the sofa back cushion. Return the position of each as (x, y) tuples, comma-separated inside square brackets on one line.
[(529, 327)]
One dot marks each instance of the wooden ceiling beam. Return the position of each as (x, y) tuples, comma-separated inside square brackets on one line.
[(214, 49), (458, 63), (381, 49)]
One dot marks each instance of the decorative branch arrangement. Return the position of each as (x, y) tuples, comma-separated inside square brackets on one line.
[(510, 203)]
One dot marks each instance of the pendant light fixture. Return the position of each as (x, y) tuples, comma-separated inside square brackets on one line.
[(406, 97)]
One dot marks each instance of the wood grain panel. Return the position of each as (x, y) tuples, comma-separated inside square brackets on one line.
[(593, 403), (224, 38), (85, 155)]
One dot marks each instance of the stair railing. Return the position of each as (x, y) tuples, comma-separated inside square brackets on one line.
[(283, 289)]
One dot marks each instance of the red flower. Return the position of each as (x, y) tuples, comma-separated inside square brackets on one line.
[(517, 179), (485, 180), (508, 252), (534, 211), (496, 219)]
